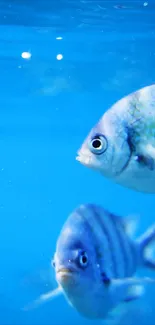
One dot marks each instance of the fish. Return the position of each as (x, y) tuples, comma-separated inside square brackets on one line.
[(96, 261), (121, 145)]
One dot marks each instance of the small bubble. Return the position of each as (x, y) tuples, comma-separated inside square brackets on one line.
[(59, 38), (145, 4), (59, 57), (26, 55)]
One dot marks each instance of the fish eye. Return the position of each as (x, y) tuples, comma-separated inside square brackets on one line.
[(83, 259), (98, 144), (53, 263)]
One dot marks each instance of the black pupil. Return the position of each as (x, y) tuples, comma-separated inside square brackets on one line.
[(84, 259), (96, 143)]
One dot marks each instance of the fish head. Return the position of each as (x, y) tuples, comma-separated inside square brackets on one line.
[(74, 260), (78, 263), (106, 148)]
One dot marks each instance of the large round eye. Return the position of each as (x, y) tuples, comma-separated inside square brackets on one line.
[(98, 144), (83, 259)]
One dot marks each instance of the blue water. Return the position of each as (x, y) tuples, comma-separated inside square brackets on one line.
[(47, 107)]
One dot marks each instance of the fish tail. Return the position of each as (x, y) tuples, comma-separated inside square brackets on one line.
[(145, 242)]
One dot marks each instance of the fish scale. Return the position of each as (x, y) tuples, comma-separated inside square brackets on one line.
[(143, 127)]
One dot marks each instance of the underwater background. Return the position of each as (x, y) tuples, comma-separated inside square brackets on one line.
[(82, 56)]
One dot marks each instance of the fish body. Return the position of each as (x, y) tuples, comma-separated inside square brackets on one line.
[(95, 262), (121, 146)]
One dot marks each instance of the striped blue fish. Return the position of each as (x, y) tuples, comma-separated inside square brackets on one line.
[(96, 260)]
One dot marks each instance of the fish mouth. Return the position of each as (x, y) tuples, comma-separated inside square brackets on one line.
[(65, 276), (64, 271), (83, 159)]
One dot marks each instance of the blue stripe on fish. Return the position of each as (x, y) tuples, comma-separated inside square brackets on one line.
[(123, 245), (111, 245), (120, 247), (115, 236), (127, 247), (101, 242), (115, 251), (134, 257)]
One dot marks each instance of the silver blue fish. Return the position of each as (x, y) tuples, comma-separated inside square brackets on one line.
[(121, 146), (96, 260)]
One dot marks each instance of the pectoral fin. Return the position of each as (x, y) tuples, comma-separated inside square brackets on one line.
[(146, 156), (128, 289), (43, 299), (134, 292), (147, 161)]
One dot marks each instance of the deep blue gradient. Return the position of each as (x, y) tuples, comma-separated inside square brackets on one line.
[(47, 107)]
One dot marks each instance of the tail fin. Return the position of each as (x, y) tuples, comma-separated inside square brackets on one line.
[(146, 251)]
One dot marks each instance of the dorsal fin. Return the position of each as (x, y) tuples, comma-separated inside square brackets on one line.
[(130, 224)]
